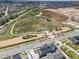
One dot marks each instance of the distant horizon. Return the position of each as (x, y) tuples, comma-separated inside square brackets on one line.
[(39, 0)]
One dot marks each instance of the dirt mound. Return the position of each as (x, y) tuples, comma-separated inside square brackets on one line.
[(54, 15)]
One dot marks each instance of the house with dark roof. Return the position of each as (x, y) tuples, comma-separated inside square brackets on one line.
[(75, 39), (59, 56), (42, 51)]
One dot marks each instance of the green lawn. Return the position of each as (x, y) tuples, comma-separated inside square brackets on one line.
[(7, 34), (75, 47), (68, 52), (64, 41)]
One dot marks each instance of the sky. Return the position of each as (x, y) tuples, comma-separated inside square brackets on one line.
[(50, 0), (40, 0)]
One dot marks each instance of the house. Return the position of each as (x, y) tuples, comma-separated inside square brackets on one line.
[(42, 51), (59, 56), (75, 39)]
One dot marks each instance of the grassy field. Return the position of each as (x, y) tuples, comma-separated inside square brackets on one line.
[(35, 24), (69, 53), (7, 34), (28, 22)]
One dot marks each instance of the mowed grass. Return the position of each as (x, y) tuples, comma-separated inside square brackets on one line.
[(69, 53), (7, 34), (64, 41), (74, 46)]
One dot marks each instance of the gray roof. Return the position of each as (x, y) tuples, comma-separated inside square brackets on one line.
[(59, 56), (74, 39)]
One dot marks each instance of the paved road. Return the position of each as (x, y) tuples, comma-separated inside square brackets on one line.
[(19, 49)]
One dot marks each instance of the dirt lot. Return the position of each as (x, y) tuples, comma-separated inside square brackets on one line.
[(11, 41), (70, 11), (16, 40), (54, 15), (63, 29)]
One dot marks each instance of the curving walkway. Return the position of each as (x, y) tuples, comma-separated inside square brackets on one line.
[(16, 22), (11, 32)]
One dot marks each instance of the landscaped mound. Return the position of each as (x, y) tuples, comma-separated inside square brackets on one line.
[(34, 24)]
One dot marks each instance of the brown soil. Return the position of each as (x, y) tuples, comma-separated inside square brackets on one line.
[(54, 15), (11, 41), (16, 40)]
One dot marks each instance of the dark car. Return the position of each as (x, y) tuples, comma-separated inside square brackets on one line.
[(42, 51)]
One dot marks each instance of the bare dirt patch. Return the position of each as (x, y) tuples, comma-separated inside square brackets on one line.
[(11, 41), (55, 15), (15, 41)]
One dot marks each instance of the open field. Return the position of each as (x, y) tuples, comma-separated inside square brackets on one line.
[(31, 25), (28, 21), (24, 23), (9, 25)]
